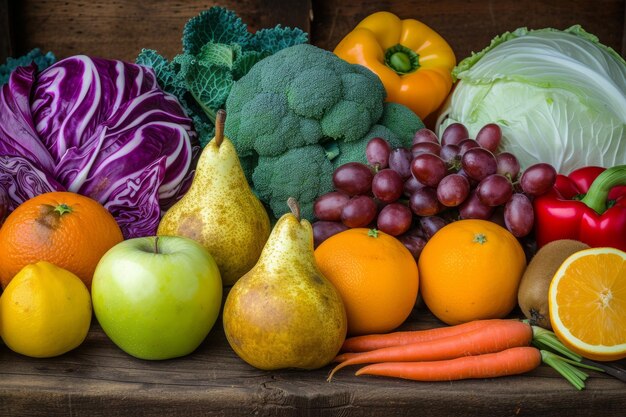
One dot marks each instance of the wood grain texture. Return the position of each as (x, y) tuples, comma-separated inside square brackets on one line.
[(469, 25), (119, 29), (6, 39), (99, 379)]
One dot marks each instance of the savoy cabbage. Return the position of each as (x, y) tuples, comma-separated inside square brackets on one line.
[(218, 49)]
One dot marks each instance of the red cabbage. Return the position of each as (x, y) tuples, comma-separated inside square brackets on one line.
[(97, 127)]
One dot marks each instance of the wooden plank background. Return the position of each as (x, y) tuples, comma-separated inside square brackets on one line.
[(6, 46), (119, 29), (469, 25)]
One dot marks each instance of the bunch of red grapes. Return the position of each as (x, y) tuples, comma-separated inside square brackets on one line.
[(412, 193)]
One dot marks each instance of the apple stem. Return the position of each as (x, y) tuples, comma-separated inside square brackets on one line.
[(294, 207), (156, 244), (220, 119)]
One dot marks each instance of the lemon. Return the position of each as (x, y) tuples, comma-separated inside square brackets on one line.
[(45, 311)]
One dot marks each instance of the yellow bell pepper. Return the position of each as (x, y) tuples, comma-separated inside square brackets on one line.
[(413, 62)]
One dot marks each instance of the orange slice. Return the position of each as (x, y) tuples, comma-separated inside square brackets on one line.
[(587, 300)]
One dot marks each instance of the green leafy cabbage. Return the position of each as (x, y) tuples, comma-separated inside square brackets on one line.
[(218, 49), (559, 97), (35, 56)]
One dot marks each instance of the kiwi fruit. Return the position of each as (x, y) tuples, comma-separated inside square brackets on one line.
[(532, 295)]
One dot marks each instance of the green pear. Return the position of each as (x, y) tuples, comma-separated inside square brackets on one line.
[(284, 313), (220, 211)]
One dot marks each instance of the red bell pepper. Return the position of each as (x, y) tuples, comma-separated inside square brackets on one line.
[(588, 205)]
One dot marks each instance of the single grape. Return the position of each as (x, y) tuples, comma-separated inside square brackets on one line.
[(414, 244), (519, 216), (494, 190), (387, 185), (359, 211), (449, 153), (508, 165), (424, 202), (400, 161), (425, 135), (411, 185), (428, 169), (466, 145), (454, 134), (431, 225), (377, 152), (452, 190), (328, 206), (489, 136), (425, 147), (353, 178), (323, 229), (537, 179), (473, 208), (478, 163), (394, 219)]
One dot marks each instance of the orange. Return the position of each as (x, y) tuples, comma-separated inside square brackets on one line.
[(376, 277), (67, 229), (587, 301), (470, 270)]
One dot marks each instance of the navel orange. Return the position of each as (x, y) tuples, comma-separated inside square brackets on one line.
[(67, 229), (469, 270), (375, 275)]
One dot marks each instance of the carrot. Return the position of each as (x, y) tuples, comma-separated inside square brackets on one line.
[(376, 341), (513, 361), (497, 336)]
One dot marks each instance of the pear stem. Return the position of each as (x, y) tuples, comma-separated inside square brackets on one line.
[(294, 207), (220, 119), (156, 244)]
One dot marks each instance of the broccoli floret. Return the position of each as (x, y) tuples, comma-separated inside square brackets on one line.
[(401, 120), (300, 113), (279, 177)]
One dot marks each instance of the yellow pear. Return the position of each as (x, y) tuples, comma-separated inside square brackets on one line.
[(284, 313), (220, 211)]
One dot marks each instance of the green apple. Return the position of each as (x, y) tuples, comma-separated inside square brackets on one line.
[(157, 297)]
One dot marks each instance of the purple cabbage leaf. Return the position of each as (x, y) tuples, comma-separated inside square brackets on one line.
[(101, 128)]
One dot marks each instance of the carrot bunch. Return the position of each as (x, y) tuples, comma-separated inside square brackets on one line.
[(477, 349)]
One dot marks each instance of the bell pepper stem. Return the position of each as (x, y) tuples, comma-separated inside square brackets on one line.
[(597, 195), (401, 59)]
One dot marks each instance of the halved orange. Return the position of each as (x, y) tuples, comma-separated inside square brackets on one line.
[(587, 301)]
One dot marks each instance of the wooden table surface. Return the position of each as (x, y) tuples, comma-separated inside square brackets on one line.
[(99, 379)]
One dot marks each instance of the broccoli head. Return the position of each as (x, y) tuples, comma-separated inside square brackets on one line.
[(300, 113)]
